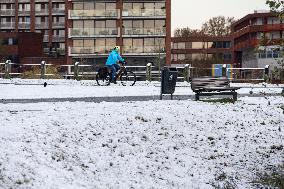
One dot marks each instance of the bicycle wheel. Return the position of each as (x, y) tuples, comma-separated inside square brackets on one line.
[(103, 77), (128, 78)]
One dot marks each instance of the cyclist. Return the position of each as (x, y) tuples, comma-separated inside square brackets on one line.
[(112, 62)]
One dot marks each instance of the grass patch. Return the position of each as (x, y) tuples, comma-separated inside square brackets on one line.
[(273, 178), (219, 100)]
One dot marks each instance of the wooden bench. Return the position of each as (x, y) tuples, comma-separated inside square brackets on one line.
[(209, 86)]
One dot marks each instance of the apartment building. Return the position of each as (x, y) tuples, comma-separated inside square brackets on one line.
[(141, 28), (40, 16), (201, 50), (256, 37)]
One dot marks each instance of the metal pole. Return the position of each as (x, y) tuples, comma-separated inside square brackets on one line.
[(76, 71), (7, 69), (266, 73), (149, 72), (186, 73), (43, 69), (224, 70)]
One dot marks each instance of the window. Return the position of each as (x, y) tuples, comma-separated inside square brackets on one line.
[(227, 56), (100, 6), (78, 43), (226, 44), (269, 54), (10, 41), (137, 24), (198, 45), (77, 24), (89, 5), (181, 56), (78, 6), (110, 6), (110, 24), (181, 45)]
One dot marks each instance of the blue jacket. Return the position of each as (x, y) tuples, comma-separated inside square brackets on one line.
[(113, 58)]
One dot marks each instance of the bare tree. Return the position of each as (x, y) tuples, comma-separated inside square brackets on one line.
[(218, 26), (187, 32)]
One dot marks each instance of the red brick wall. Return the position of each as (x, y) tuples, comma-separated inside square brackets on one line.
[(30, 44)]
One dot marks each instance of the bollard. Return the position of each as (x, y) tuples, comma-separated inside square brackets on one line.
[(7, 69), (224, 70), (266, 73), (43, 69), (149, 72), (186, 73), (76, 71)]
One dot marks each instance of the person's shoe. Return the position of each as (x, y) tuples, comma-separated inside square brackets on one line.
[(114, 82)]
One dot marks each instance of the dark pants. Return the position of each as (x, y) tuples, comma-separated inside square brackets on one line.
[(114, 68)]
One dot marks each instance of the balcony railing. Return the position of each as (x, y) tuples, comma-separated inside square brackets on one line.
[(58, 38), (45, 38), (144, 13), (144, 31), (7, 25), (58, 11), (8, 12), (42, 12), (98, 50), (24, 12), (42, 25), (93, 32), (58, 24), (93, 13), (143, 50), (24, 25), (7, 1)]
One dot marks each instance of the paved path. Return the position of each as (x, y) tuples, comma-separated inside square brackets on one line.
[(115, 99)]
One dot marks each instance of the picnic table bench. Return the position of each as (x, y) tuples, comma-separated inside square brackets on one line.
[(209, 86)]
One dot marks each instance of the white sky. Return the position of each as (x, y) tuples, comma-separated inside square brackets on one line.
[(192, 13)]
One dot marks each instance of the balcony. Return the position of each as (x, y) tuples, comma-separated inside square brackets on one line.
[(24, 25), (92, 14), (7, 25), (24, 12), (8, 12), (98, 50), (57, 11), (7, 1), (142, 50), (58, 25), (93, 32), (46, 38), (58, 38), (42, 25), (152, 13), (42, 12), (132, 32)]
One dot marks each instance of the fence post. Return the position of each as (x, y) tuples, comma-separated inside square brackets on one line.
[(149, 72), (7, 69), (43, 69), (266, 73), (186, 73), (224, 70), (76, 71)]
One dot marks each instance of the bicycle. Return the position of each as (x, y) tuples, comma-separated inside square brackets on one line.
[(126, 77)]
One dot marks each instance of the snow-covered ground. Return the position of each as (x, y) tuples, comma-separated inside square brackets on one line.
[(151, 144), (31, 89)]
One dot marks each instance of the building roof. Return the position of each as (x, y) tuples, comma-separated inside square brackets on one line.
[(254, 15)]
